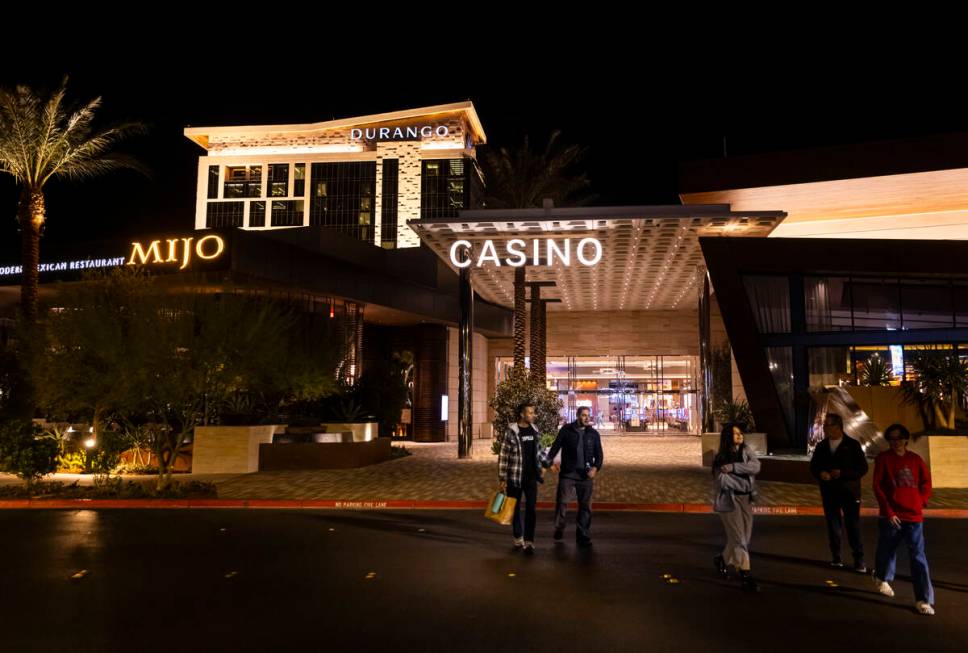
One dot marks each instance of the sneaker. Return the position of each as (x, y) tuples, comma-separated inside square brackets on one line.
[(924, 607), (518, 542), (559, 534), (529, 547), (860, 567), (747, 583), (883, 587), (720, 565), (837, 563)]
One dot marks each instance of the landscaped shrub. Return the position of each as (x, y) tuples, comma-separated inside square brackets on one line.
[(26, 450)]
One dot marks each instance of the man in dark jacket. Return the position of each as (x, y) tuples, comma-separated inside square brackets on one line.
[(581, 460), (839, 463)]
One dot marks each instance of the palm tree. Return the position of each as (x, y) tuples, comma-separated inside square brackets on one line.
[(43, 138), (522, 178)]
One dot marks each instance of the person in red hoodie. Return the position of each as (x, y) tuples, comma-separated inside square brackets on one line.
[(902, 485)]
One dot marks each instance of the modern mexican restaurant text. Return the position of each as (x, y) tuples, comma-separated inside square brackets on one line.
[(517, 252)]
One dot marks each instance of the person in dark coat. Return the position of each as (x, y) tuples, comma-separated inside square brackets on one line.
[(839, 463)]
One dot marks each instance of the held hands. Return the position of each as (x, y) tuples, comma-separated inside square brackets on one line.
[(835, 473), (725, 469), (556, 468)]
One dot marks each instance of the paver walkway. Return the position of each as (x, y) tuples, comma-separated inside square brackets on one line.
[(638, 469)]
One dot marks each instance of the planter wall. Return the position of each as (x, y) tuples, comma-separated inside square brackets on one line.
[(229, 449)]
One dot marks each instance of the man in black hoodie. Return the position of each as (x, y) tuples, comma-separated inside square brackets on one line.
[(581, 460), (839, 463)]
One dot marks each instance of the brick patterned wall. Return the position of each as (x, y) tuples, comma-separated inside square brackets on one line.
[(408, 198)]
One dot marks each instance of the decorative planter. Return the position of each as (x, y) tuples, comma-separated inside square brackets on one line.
[(362, 431), (229, 449), (946, 456)]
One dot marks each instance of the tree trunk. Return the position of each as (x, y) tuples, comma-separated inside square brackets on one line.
[(520, 317), (31, 215)]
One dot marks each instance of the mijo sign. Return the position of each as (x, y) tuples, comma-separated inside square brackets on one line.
[(177, 250), (517, 252)]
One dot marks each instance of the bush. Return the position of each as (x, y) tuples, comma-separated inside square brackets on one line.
[(518, 388), (738, 413), (27, 451)]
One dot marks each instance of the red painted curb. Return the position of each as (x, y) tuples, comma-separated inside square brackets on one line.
[(407, 504)]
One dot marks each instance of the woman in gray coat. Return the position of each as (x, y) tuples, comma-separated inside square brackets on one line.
[(734, 469)]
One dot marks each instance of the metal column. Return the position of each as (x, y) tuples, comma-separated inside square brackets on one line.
[(465, 358)]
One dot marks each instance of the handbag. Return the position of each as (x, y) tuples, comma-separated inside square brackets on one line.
[(500, 508)]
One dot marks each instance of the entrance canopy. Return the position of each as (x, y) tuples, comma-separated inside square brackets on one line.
[(649, 255)]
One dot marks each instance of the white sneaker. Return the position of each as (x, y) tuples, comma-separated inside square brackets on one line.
[(924, 607), (883, 587), (518, 542), (529, 547)]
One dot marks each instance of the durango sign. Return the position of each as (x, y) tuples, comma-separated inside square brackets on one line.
[(176, 250), (517, 252)]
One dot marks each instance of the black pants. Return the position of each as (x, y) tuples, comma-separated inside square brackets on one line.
[(583, 492), (528, 495), (842, 511)]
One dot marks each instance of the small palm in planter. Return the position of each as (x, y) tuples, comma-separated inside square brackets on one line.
[(736, 412), (876, 372)]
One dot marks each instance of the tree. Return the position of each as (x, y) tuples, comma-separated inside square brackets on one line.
[(518, 387), (41, 139), (160, 360), (521, 177)]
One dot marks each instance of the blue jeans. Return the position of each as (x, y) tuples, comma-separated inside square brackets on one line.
[(888, 539)]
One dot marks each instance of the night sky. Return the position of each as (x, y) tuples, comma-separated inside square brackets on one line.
[(640, 110)]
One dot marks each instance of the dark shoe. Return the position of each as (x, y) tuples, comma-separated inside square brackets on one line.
[(720, 564), (747, 582), (559, 533), (860, 567), (584, 542)]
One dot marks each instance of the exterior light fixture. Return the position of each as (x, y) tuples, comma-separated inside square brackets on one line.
[(90, 442)]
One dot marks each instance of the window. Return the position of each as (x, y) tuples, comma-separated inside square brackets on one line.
[(278, 180), (224, 214), (961, 304), (257, 214), (299, 180), (827, 302), (444, 187), (781, 367), (830, 366), (770, 300), (388, 208), (878, 364), (287, 213), (243, 181), (342, 197), (877, 304), (926, 305), (213, 182)]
